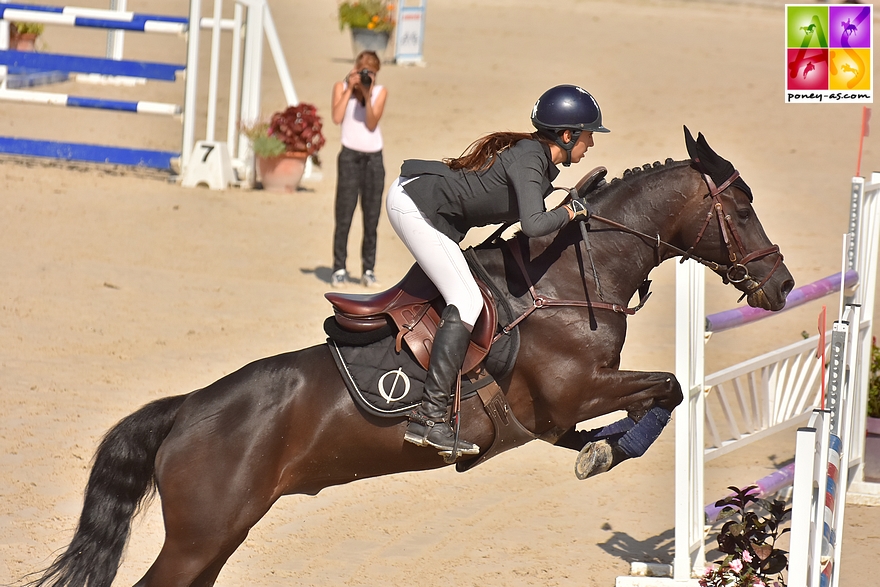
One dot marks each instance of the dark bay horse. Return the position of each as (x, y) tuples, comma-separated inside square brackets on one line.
[(221, 456)]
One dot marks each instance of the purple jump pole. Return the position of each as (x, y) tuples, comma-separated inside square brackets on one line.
[(767, 486), (807, 293)]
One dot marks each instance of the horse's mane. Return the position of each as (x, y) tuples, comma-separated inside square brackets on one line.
[(637, 173)]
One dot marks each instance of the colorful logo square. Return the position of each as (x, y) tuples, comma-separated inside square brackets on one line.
[(849, 26), (807, 70), (828, 53)]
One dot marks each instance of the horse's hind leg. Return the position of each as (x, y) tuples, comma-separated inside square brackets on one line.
[(193, 553), (209, 576), (212, 495)]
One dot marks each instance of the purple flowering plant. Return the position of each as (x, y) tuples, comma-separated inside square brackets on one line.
[(748, 541)]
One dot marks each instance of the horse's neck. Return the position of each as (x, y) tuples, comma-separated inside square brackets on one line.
[(652, 202)]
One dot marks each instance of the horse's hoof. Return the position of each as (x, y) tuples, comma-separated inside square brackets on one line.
[(594, 458)]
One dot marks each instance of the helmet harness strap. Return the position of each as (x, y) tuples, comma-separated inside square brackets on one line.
[(566, 147)]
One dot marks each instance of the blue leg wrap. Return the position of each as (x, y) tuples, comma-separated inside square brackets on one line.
[(635, 442), (615, 429), (619, 427)]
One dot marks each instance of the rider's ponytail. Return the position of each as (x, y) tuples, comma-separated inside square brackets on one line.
[(481, 154)]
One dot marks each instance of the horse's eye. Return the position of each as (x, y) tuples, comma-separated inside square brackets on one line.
[(744, 213)]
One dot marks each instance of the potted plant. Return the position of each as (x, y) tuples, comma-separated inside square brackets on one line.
[(23, 35), (873, 408), (282, 145), (370, 21), (749, 542)]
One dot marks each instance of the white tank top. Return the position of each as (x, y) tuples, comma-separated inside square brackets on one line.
[(354, 132)]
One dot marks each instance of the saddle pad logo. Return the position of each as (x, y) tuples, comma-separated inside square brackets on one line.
[(828, 53), (393, 385)]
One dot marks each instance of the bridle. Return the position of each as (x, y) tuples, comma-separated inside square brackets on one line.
[(736, 272)]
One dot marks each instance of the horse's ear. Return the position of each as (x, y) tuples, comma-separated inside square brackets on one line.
[(690, 143), (707, 153), (713, 164)]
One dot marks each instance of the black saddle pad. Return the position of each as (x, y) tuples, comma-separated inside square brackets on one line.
[(383, 381), (390, 384)]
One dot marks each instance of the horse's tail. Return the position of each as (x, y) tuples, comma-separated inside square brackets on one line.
[(122, 477)]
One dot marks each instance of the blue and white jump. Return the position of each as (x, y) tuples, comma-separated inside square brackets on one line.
[(47, 62), (97, 18), (191, 160)]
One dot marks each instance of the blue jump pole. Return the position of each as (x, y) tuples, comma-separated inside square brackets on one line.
[(92, 18), (79, 64), (88, 153)]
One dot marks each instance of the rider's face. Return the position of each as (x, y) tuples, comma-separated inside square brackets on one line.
[(584, 142)]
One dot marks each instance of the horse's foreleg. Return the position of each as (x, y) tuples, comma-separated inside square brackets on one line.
[(649, 400)]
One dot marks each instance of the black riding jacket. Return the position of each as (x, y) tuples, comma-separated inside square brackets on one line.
[(512, 189)]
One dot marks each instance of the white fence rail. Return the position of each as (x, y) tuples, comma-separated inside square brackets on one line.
[(732, 408)]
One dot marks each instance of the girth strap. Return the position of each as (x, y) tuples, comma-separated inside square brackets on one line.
[(509, 432)]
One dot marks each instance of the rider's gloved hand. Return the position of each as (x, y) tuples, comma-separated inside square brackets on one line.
[(577, 209)]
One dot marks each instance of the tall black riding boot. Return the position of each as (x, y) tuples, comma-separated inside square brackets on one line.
[(429, 426)]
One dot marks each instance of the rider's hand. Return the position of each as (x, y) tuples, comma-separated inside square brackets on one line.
[(577, 209)]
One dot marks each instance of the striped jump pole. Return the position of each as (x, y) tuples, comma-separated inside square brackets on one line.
[(822, 468), (207, 161), (104, 19), (138, 107), (832, 492), (812, 291)]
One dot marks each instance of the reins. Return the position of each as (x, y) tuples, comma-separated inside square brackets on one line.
[(736, 272)]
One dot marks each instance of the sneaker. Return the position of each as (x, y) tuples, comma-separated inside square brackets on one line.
[(339, 278), (368, 279)]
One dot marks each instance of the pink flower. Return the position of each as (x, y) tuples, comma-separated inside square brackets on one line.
[(758, 583), (736, 565), (747, 556)]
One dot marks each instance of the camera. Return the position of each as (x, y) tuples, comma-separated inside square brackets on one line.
[(366, 80)]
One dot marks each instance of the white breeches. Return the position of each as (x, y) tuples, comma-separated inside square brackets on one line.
[(439, 256)]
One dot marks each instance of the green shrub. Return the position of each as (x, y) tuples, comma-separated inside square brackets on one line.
[(24, 28), (376, 15), (874, 382)]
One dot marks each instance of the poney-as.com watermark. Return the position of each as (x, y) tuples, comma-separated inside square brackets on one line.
[(828, 53)]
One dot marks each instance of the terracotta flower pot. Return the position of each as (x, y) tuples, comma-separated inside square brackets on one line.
[(282, 174)]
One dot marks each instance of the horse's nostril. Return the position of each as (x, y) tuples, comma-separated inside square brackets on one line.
[(787, 286)]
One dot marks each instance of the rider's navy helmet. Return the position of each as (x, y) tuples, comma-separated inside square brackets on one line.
[(567, 107)]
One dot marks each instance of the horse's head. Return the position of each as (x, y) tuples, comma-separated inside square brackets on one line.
[(727, 231)]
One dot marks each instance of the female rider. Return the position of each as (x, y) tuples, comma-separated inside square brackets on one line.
[(502, 177)]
